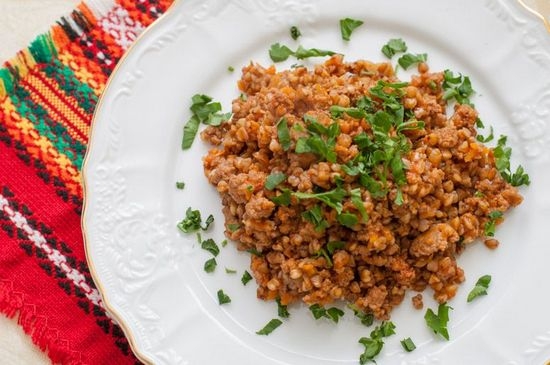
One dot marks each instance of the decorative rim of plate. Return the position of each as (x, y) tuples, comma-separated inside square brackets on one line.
[(107, 305)]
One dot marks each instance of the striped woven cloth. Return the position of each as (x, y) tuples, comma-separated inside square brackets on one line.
[(48, 93)]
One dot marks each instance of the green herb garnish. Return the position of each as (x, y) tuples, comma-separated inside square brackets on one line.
[(480, 288), (233, 227), (332, 246), (332, 313), (332, 198), (366, 319), (274, 179), (489, 138), (255, 252), (375, 343), (347, 219), (347, 26), (393, 47), (315, 216), (438, 322), (203, 110), (409, 59), (280, 53), (246, 277), (282, 310), (283, 134), (223, 298), (230, 68), (210, 246), (180, 185), (408, 344), (230, 271), (283, 199), (502, 155), (193, 221), (295, 32), (490, 225), (457, 87), (210, 265), (270, 327)]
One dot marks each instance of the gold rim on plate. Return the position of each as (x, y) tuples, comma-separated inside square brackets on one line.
[(108, 307)]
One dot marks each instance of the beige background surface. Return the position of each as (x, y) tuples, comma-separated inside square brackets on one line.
[(20, 22)]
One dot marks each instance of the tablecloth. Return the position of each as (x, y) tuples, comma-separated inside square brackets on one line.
[(48, 92)]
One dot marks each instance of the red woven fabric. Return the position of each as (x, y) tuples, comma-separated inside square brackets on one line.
[(48, 93)]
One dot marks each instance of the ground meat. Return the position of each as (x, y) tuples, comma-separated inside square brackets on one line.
[(417, 301), (399, 232)]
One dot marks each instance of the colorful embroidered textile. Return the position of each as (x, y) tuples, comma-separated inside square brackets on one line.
[(48, 93)]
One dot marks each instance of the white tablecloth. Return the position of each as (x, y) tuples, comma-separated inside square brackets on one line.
[(20, 22)]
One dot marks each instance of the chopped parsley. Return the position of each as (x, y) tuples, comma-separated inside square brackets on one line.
[(347, 219), (233, 227), (210, 246), (246, 277), (180, 185), (254, 252), (366, 319), (295, 32), (224, 243), (393, 47), (230, 68), (210, 265), (332, 246), (375, 343), (502, 155), (205, 111), (315, 216), (270, 327), (347, 26), (457, 87), (408, 344), (480, 288), (321, 140), (438, 322), (332, 313), (490, 225), (282, 199), (489, 138), (230, 271), (193, 221), (282, 310), (223, 298), (409, 59), (280, 53), (283, 134), (274, 179), (333, 198)]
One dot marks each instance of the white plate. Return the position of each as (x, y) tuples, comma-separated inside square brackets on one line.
[(152, 277)]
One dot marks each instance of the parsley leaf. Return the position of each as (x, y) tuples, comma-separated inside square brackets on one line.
[(409, 59), (357, 201), (366, 319), (210, 246), (279, 53), (408, 344), (347, 219), (283, 199), (480, 288), (274, 179), (315, 216), (490, 225), (347, 26), (438, 322), (332, 198), (203, 110), (193, 221), (223, 298), (302, 53), (180, 185), (230, 271), (332, 313), (375, 343), (246, 277), (283, 134), (457, 87), (233, 227), (394, 46), (210, 265), (332, 246), (489, 138), (282, 310), (502, 155), (295, 32), (270, 327)]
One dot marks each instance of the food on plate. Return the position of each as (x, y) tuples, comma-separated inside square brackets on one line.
[(347, 184)]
